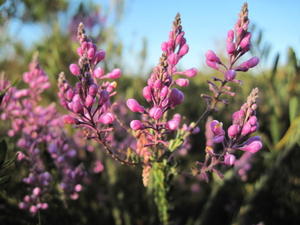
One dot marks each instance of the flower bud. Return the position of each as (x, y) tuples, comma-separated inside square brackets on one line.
[(91, 53), (173, 124), (252, 145), (246, 129), (33, 209), (183, 50), (100, 55), (75, 70), (156, 112), (136, 125), (250, 63), (253, 120), (78, 188), (212, 64), (211, 56), (89, 100), (233, 130), (238, 116), (230, 47), (79, 51), (93, 89), (36, 191), (229, 159), (115, 74), (191, 72), (98, 72), (20, 156), (182, 82), (69, 94), (173, 59), (104, 96), (44, 205), (230, 36), (134, 106), (147, 93), (176, 97), (164, 92), (77, 107), (164, 46), (106, 118), (230, 75), (245, 42)]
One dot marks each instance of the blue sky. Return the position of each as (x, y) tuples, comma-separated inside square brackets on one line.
[(204, 22)]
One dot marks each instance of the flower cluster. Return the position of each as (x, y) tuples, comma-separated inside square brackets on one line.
[(162, 96), (238, 43), (36, 126), (244, 123), (89, 100)]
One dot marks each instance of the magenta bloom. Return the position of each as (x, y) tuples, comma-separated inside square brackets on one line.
[(134, 106)]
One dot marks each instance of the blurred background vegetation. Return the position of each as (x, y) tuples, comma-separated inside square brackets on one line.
[(268, 194)]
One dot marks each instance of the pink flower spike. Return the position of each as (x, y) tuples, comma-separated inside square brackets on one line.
[(136, 125), (211, 56), (74, 69), (134, 106), (182, 82), (106, 118)]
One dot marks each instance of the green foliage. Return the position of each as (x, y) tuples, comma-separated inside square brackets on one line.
[(158, 188), (6, 162)]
